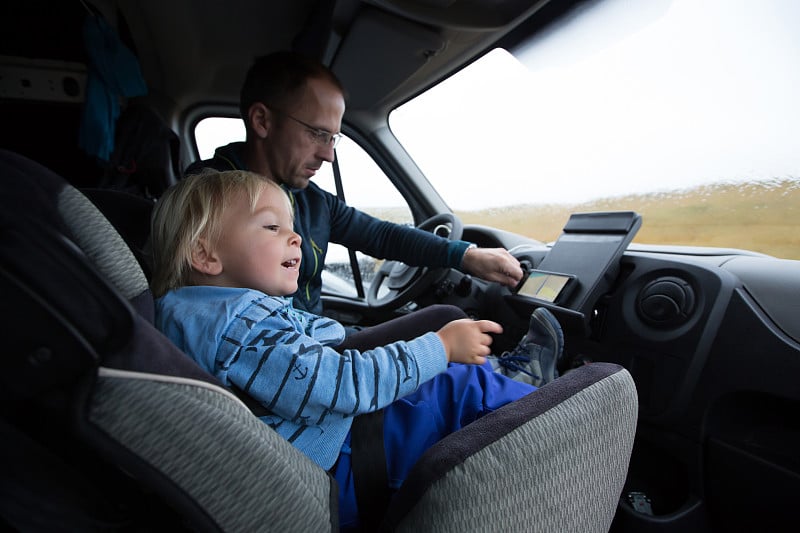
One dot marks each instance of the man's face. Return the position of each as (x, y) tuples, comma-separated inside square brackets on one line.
[(294, 152)]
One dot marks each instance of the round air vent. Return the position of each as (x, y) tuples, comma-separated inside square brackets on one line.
[(666, 302)]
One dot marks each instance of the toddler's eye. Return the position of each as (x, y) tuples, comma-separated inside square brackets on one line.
[(272, 227)]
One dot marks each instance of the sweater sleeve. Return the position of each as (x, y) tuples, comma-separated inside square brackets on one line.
[(300, 379)]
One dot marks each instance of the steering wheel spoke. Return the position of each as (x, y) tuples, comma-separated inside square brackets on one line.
[(402, 283)]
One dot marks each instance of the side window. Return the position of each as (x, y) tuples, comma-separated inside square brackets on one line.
[(367, 188), (212, 132), (365, 185)]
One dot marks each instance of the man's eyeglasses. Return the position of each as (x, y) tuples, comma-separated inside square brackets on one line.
[(320, 137)]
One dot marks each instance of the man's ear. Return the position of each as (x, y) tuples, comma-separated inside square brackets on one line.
[(259, 117), (204, 260)]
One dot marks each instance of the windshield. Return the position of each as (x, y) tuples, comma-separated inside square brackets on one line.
[(685, 111)]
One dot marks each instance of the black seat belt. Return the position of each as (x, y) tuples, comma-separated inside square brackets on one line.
[(369, 469), (337, 179)]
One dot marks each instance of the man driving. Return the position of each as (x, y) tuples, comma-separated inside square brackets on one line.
[(292, 107)]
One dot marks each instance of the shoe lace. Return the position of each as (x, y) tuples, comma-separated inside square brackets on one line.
[(511, 360)]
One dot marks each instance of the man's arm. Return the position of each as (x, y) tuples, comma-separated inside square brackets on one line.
[(415, 247), (387, 240)]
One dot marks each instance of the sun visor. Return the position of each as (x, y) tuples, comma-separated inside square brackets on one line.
[(379, 53)]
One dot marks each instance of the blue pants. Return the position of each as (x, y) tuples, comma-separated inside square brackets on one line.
[(412, 424)]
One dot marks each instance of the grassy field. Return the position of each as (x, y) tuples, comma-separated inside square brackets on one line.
[(763, 217)]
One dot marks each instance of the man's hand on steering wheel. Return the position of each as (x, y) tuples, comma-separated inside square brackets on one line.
[(493, 264), (396, 283)]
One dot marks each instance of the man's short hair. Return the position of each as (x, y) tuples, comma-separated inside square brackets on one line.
[(276, 79)]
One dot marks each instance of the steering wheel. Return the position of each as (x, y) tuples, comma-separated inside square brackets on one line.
[(404, 283)]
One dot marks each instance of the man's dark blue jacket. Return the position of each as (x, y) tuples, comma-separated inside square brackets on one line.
[(320, 217)]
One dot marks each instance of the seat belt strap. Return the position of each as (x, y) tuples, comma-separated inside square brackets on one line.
[(357, 281), (369, 469), (254, 405)]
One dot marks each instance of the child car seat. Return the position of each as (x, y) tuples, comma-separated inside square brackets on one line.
[(147, 438), (106, 425)]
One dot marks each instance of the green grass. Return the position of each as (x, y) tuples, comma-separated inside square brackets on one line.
[(759, 216), (762, 216)]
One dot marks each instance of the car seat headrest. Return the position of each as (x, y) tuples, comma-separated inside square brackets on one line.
[(101, 243), (33, 192), (79, 293)]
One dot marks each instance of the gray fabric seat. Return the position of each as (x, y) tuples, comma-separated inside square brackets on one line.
[(117, 391), (155, 442), (233, 467), (555, 460)]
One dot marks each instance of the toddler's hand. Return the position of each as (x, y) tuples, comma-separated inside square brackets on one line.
[(468, 341)]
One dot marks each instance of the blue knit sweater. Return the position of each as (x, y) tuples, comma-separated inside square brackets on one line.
[(320, 218), (282, 357)]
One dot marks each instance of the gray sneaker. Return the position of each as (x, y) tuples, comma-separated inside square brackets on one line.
[(535, 358)]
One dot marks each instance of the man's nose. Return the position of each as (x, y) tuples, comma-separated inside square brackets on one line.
[(326, 152)]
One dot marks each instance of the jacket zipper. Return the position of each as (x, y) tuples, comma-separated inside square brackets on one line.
[(317, 250)]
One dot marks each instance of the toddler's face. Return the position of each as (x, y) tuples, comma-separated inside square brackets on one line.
[(259, 250)]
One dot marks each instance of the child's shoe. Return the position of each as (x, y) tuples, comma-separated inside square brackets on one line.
[(535, 358)]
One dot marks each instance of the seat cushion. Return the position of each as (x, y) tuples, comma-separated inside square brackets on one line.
[(555, 460)]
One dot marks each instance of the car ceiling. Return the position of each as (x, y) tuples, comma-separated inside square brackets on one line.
[(384, 51), (194, 55)]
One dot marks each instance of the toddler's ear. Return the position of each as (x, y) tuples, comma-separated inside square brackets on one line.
[(204, 260)]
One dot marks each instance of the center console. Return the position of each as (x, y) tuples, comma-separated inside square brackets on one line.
[(580, 267)]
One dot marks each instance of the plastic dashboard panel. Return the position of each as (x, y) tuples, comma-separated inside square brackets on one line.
[(589, 249), (775, 285), (710, 337)]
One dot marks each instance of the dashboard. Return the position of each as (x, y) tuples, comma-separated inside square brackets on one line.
[(712, 339)]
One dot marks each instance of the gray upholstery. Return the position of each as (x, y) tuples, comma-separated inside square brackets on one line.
[(552, 461), (197, 436), (175, 433), (561, 469), (101, 243), (237, 469)]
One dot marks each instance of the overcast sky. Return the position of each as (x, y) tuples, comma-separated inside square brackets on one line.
[(639, 96), (636, 96)]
